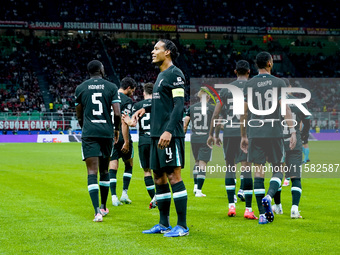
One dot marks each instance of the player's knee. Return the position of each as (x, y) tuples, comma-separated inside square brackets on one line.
[(160, 180)]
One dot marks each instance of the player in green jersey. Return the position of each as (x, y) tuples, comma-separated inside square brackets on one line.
[(265, 136), (167, 139), (231, 142), (124, 147), (293, 158), (144, 141), (199, 136), (94, 99)]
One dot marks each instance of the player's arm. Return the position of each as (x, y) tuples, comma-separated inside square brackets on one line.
[(80, 114), (218, 141), (186, 123), (175, 117), (117, 120), (125, 132), (217, 110), (129, 121), (288, 118), (305, 129), (244, 139)]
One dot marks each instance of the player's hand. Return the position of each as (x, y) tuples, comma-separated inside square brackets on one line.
[(125, 148), (292, 142), (138, 114), (210, 141), (218, 141), (164, 140), (244, 144), (126, 118), (116, 136)]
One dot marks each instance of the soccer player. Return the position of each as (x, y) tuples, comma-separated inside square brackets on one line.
[(167, 139), (199, 136), (94, 99), (145, 141), (293, 158), (231, 143), (265, 136), (124, 147), (305, 148)]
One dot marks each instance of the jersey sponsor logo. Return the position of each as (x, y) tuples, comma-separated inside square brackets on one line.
[(156, 95), (129, 106), (264, 83), (99, 86), (179, 82)]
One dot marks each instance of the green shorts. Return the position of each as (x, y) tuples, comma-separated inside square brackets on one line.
[(96, 147), (232, 150), (117, 151), (293, 160), (261, 150), (144, 155), (201, 151), (172, 156)]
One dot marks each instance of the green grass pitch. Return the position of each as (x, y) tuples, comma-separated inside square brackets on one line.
[(45, 209)]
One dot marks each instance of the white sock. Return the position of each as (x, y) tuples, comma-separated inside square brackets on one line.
[(124, 192), (249, 209), (231, 204)]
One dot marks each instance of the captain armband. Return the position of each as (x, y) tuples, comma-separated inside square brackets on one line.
[(178, 92)]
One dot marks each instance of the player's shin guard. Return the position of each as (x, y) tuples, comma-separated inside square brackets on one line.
[(230, 187), (277, 196), (194, 173), (127, 176), (200, 179), (104, 185), (180, 198), (275, 182), (296, 191), (248, 188), (113, 181), (150, 186), (259, 193), (92, 186), (163, 196)]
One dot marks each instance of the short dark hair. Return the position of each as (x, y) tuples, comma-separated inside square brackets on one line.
[(128, 82), (169, 45), (94, 66), (262, 59), (148, 87), (242, 67)]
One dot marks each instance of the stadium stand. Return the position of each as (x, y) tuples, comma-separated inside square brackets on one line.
[(196, 12)]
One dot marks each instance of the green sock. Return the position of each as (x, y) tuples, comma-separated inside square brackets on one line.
[(104, 185), (113, 181), (259, 193), (296, 191), (127, 176), (150, 186), (163, 196), (92, 186), (180, 198)]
